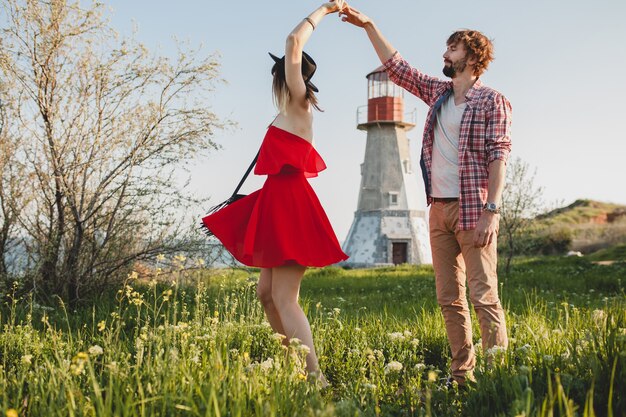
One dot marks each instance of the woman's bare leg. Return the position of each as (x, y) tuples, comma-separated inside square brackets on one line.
[(264, 292), (285, 291)]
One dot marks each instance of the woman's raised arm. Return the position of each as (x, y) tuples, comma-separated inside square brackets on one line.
[(295, 44)]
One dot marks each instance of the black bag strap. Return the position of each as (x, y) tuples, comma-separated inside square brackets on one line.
[(247, 173), (251, 165)]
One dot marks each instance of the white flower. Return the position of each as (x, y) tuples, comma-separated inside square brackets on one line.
[(27, 359), (279, 337), (495, 350), (267, 364), (371, 387), (420, 367), (415, 342), (303, 349), (393, 366), (95, 350), (396, 336)]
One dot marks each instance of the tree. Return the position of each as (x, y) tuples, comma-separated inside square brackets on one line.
[(521, 202), (104, 126)]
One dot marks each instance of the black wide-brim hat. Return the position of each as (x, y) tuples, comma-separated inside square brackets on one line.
[(308, 68)]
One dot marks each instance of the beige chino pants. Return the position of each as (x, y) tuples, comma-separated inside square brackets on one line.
[(456, 261)]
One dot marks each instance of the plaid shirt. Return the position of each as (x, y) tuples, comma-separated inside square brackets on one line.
[(485, 134)]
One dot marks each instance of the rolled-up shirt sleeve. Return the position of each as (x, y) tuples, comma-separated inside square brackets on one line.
[(411, 79), (498, 133)]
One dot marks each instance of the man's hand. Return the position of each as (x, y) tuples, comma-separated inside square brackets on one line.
[(351, 15), (486, 229)]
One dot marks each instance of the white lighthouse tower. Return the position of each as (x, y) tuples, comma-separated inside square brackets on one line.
[(389, 225)]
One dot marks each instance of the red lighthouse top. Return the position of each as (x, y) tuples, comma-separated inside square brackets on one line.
[(385, 101)]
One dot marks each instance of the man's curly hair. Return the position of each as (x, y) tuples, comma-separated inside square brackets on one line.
[(477, 46)]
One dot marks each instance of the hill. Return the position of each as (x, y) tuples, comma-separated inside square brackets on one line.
[(585, 212), (588, 225)]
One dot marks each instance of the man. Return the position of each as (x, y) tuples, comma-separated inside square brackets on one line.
[(465, 147)]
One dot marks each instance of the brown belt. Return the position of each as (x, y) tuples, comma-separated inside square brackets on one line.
[(445, 199)]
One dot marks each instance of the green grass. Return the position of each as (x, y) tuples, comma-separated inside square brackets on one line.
[(615, 253), (198, 345)]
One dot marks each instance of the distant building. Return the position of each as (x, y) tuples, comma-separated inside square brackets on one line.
[(389, 224)]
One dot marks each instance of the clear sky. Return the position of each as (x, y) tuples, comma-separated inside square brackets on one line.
[(561, 63)]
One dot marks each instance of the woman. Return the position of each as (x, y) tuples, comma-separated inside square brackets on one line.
[(282, 227)]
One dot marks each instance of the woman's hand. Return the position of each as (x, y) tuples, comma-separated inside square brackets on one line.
[(334, 6)]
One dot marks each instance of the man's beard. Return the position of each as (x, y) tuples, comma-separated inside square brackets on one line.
[(456, 67)]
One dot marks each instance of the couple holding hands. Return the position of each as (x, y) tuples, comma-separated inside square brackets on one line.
[(282, 228)]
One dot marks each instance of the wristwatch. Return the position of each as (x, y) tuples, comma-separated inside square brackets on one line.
[(492, 208)]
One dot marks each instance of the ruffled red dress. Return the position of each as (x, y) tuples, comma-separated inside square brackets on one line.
[(283, 223)]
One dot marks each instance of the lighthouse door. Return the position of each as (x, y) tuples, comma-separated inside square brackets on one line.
[(399, 252)]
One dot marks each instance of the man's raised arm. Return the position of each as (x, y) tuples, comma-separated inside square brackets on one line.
[(382, 46)]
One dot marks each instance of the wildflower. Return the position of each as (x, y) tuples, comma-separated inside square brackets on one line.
[(160, 257), (101, 325), (78, 363), (27, 359), (415, 343), (599, 317), (370, 387), (393, 366), (432, 376), (407, 334), (12, 412), (495, 350), (95, 350), (396, 336), (336, 311), (420, 367), (279, 337), (267, 364), (167, 294), (303, 349)]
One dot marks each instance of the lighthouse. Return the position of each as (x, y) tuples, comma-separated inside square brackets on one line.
[(389, 225)]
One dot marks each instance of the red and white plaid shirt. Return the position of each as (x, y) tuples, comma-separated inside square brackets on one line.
[(485, 133)]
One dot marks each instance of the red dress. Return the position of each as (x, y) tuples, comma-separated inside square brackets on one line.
[(283, 223)]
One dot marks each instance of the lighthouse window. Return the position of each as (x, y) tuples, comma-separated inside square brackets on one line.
[(393, 199)]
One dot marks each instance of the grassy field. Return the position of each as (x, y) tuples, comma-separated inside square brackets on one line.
[(195, 343)]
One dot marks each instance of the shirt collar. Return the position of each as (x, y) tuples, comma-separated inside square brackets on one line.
[(474, 92)]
